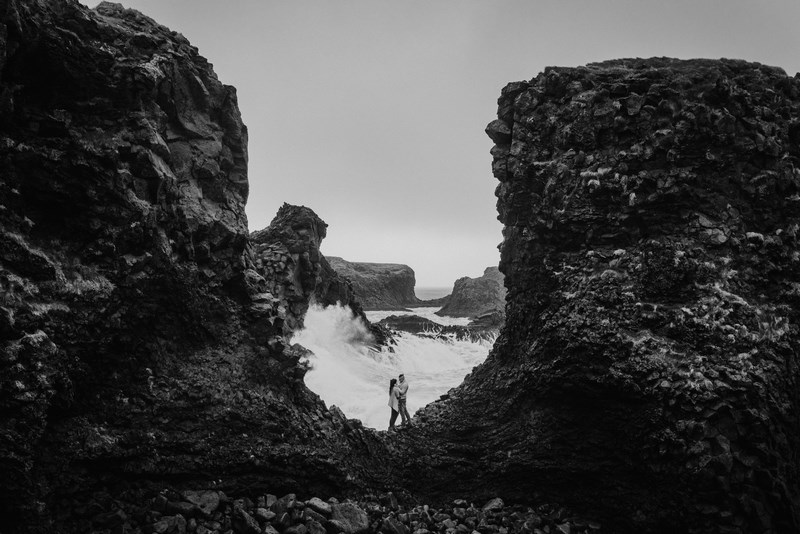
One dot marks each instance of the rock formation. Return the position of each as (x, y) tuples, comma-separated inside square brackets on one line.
[(475, 297), (414, 324), (140, 340), (646, 373), (379, 286), (289, 273), (647, 370)]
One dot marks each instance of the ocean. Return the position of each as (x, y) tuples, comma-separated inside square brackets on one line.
[(428, 293), (347, 373)]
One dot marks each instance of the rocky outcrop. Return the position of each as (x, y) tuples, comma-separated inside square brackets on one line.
[(139, 338), (647, 369), (419, 326), (289, 273), (474, 297), (379, 286)]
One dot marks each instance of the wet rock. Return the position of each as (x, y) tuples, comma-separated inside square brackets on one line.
[(494, 505), (314, 527), (319, 506), (244, 523), (185, 509), (296, 529), (393, 526), (264, 515), (348, 519), (206, 502)]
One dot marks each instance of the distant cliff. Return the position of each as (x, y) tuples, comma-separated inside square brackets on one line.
[(379, 286), (475, 297)]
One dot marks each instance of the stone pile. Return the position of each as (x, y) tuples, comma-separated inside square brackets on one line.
[(213, 512)]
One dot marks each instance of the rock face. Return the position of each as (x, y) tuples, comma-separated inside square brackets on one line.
[(139, 337), (648, 368), (474, 297), (294, 272), (289, 273), (379, 286)]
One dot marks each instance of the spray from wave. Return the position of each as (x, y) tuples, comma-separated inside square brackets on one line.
[(346, 372)]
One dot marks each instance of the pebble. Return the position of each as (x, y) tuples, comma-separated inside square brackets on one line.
[(210, 512)]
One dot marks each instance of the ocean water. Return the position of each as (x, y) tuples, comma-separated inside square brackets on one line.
[(347, 373), (427, 313), (427, 293)]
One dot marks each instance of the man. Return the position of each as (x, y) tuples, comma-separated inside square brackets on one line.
[(402, 387)]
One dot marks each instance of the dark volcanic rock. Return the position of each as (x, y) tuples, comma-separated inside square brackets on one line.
[(414, 324), (647, 370), (294, 271), (474, 297), (137, 341), (379, 286), (289, 273)]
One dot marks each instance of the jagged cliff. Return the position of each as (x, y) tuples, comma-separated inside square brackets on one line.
[(648, 367), (475, 297), (379, 286), (143, 334)]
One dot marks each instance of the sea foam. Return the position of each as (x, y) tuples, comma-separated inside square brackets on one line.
[(347, 372)]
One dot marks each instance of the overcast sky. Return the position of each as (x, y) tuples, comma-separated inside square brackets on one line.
[(371, 112)]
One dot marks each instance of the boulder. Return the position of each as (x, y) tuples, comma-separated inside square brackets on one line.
[(319, 506), (347, 518), (206, 502), (244, 523)]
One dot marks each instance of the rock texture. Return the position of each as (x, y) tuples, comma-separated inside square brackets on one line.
[(414, 324), (213, 511), (647, 369), (379, 286), (475, 297), (139, 338), (646, 373), (289, 273)]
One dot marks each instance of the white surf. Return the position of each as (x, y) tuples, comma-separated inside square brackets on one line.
[(347, 373)]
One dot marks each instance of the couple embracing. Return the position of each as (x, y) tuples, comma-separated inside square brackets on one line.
[(397, 401)]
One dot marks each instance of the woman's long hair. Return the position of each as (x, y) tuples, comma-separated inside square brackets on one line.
[(392, 382)]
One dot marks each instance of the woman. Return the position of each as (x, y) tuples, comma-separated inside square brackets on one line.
[(394, 395)]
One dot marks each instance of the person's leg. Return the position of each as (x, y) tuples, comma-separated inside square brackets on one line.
[(403, 412), (406, 414), (392, 419)]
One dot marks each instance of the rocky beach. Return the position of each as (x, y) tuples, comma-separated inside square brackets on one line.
[(645, 375)]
